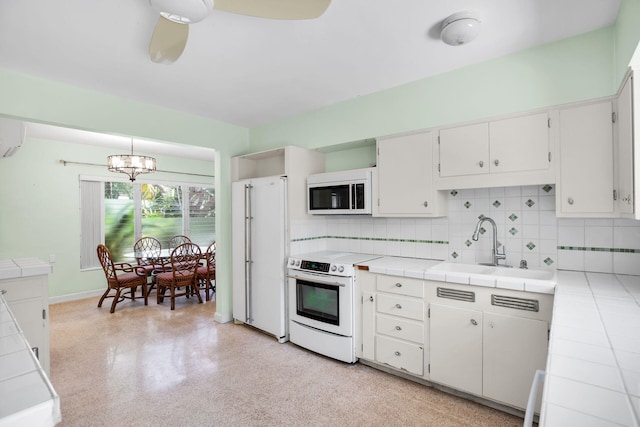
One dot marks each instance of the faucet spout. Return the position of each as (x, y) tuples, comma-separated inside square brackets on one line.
[(476, 234)]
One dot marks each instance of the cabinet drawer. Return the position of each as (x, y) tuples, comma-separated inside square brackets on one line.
[(23, 288), (400, 328), (401, 286), (400, 306), (400, 354)]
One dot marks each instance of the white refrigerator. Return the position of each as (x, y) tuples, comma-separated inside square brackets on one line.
[(259, 242)]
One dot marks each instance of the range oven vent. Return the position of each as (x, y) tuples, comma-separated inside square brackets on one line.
[(456, 294), (515, 303)]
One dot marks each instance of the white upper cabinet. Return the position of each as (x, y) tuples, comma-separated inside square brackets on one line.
[(520, 144), (624, 161), (404, 184), (464, 150), (585, 182), (502, 152)]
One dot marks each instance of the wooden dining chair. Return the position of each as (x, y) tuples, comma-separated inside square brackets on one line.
[(121, 276), (147, 251), (206, 274), (176, 241), (182, 274)]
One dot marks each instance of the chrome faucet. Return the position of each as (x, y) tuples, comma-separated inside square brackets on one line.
[(476, 233)]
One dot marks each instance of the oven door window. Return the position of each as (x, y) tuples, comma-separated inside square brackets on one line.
[(318, 301), (329, 197)]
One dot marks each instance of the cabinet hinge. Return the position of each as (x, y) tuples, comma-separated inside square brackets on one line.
[(378, 202), (549, 122), (429, 313), (429, 368), (438, 167), (614, 117), (549, 156), (44, 314), (615, 195)]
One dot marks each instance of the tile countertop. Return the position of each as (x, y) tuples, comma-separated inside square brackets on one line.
[(27, 398), (23, 267), (593, 366)]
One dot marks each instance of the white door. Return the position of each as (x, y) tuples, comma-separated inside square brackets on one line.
[(520, 144), (586, 161), (405, 175), (514, 348), (464, 150), (624, 159), (455, 336), (259, 227)]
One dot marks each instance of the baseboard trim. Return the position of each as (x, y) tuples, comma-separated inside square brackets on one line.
[(75, 297), (222, 317)]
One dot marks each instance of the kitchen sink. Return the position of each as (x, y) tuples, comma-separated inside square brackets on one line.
[(453, 267), (496, 276)]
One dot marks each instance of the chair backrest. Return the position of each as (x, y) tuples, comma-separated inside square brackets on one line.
[(147, 250), (104, 256), (176, 241), (211, 255), (184, 261)]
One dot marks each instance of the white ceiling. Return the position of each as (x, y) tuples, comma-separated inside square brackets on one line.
[(250, 71)]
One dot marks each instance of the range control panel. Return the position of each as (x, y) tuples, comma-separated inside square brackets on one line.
[(327, 268)]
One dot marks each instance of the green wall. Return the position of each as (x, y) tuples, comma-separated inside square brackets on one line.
[(570, 70), (39, 214)]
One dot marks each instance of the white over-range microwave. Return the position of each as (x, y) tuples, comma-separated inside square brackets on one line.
[(339, 193)]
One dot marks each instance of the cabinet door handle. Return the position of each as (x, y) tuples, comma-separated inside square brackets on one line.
[(496, 162), (426, 204), (398, 285), (398, 328), (397, 353), (398, 306), (474, 322), (3, 291), (570, 200), (481, 163)]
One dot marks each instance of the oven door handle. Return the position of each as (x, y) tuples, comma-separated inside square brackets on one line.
[(315, 278)]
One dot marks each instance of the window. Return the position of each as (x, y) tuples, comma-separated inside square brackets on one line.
[(119, 212)]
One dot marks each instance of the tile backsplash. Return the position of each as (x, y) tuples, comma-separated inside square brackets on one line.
[(526, 225)]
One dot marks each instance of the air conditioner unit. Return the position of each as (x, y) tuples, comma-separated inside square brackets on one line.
[(12, 133)]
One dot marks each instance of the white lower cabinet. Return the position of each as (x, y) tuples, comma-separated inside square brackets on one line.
[(28, 300), (487, 342), (456, 347), (513, 349)]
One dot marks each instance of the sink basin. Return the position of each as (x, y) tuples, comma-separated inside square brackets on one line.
[(497, 276), (524, 274), (452, 267)]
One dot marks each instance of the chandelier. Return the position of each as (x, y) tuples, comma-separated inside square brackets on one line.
[(130, 164)]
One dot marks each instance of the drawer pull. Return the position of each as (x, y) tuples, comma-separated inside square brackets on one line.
[(398, 285), (398, 328), (398, 306), (474, 322), (371, 298), (397, 353)]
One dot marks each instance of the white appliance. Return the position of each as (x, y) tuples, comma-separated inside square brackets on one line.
[(339, 193), (259, 239), (322, 302)]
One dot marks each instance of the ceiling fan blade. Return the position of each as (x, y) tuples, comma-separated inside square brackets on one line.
[(168, 41), (274, 9)]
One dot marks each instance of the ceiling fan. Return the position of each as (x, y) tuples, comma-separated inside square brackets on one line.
[(170, 34)]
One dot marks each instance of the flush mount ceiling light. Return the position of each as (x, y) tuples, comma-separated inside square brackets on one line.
[(460, 28), (130, 164)]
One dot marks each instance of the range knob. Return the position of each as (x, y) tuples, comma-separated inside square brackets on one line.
[(333, 268), (341, 269), (292, 261), (297, 263)]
